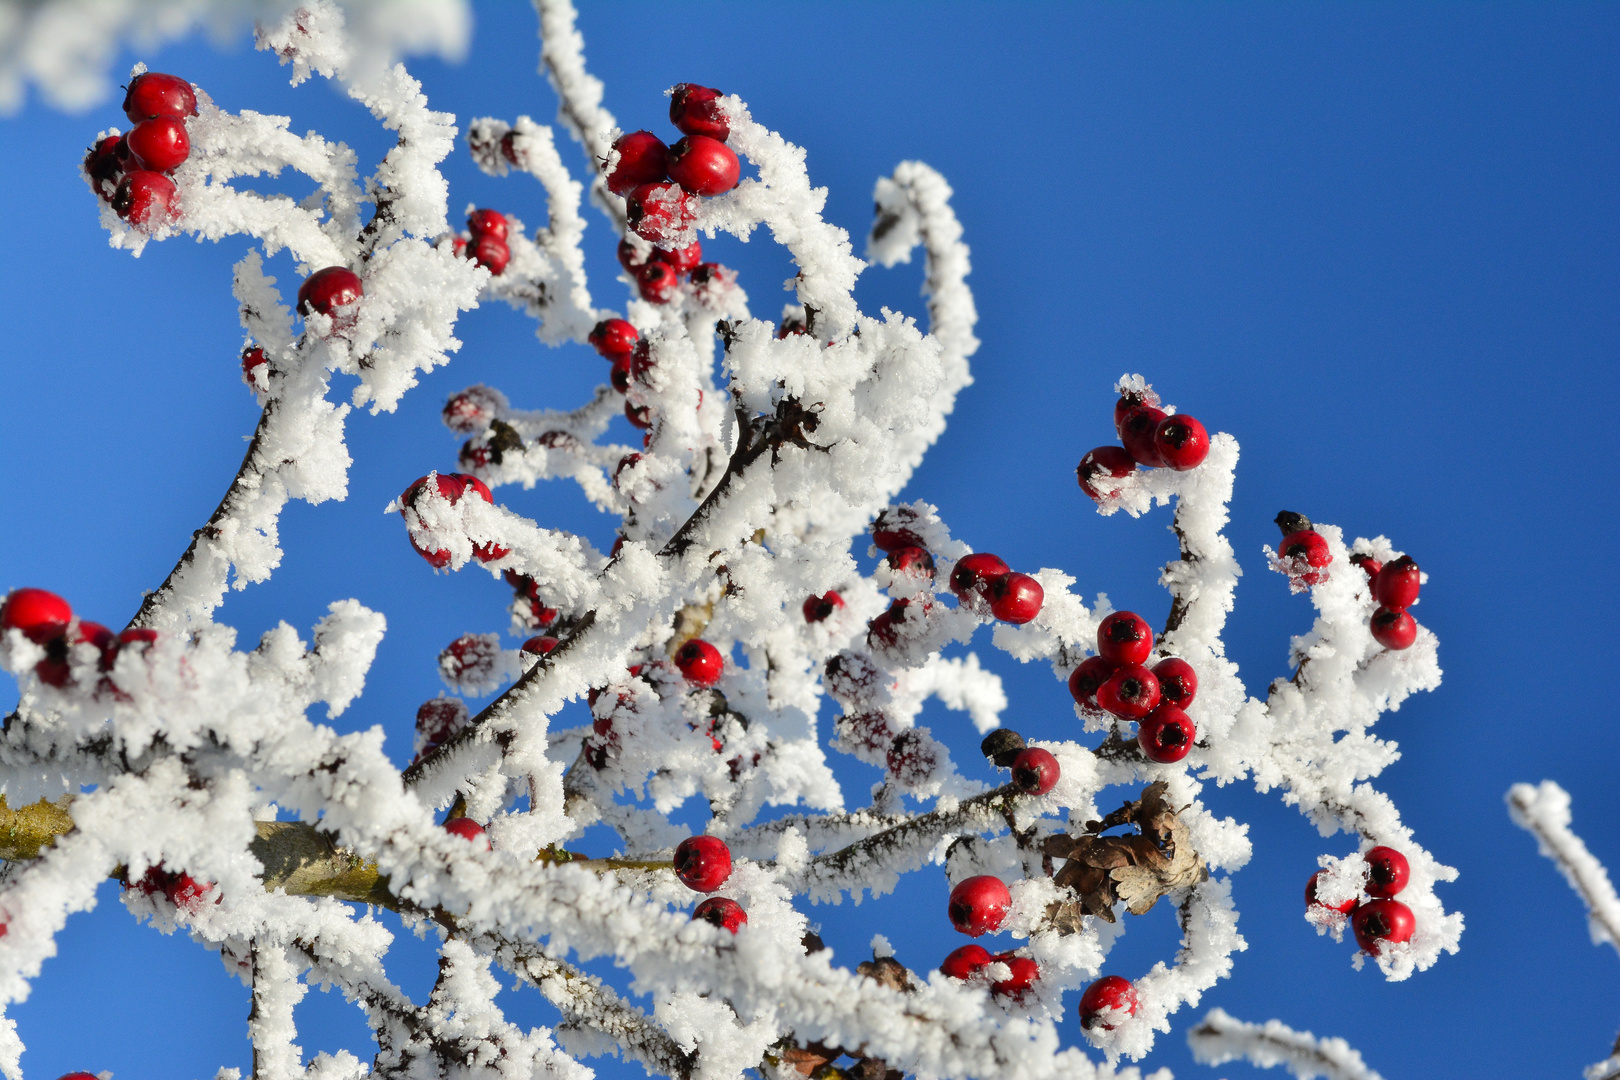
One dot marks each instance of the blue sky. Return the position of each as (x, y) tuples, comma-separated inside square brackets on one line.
[(1377, 243)]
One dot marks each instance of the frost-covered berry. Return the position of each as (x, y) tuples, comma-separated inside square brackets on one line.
[(1085, 680), (1398, 584), (1369, 566), (695, 110), (1130, 693), (438, 719), (1394, 630), (487, 223), (160, 144), (1380, 921), (469, 830), (640, 416), (1035, 771), (658, 212), (1178, 682), (699, 662), (1124, 638), (912, 561), (145, 199), (39, 614), (471, 410), (703, 863), (539, 645), (1016, 598), (1343, 907), (613, 338), (185, 891), (1137, 432), (54, 669), (657, 282), (104, 164), (818, 608), (972, 574), (1387, 872), (642, 160), (683, 260), (1100, 466), (1181, 442), (470, 660), (883, 632), (721, 913), (704, 166), (1303, 555), (979, 905), (451, 487), (1021, 975), (619, 376), (1166, 734), (252, 360), (1107, 1002), (631, 256), (153, 93), (1129, 400), (329, 289), (491, 253), (966, 962)]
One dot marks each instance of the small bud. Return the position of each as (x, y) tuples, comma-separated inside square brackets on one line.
[(1290, 522), (1001, 746)]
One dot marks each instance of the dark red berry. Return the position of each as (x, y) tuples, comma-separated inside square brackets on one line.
[(894, 539), (1395, 630), (1387, 872), (487, 223), (471, 410), (1130, 400), (619, 376), (695, 110), (1035, 771), (683, 260), (184, 891), (539, 646), (965, 962), (657, 282), (704, 166), (252, 361), (467, 829), (640, 416), (1099, 467), (1380, 921), (1343, 907), (1166, 734), (613, 338), (912, 561), (1178, 682), (1181, 442), (1107, 1002), (1303, 554), (54, 669), (1016, 598), (40, 615), (884, 631), (703, 863), (699, 662), (1137, 432), (721, 913), (1130, 693), (440, 718), (153, 93), (630, 256), (642, 160), (104, 165), (1369, 566), (1398, 584), (490, 253), (972, 575), (658, 212), (161, 143), (1124, 638), (817, 608), (145, 199), (1021, 975), (1085, 680), (979, 905), (329, 289)]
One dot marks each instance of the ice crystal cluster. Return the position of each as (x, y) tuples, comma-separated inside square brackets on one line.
[(187, 765)]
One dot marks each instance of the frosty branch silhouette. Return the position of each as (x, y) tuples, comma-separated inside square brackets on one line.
[(706, 642)]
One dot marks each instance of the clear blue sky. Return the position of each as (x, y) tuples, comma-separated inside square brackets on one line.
[(1375, 242)]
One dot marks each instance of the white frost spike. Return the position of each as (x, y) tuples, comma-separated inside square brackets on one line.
[(1543, 811), (1220, 1038)]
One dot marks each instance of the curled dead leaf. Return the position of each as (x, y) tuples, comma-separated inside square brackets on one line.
[(1136, 868)]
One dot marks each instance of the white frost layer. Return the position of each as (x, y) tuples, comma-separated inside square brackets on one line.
[(1543, 811), (1221, 1038)]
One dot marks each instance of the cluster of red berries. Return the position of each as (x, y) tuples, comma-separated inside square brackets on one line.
[(619, 343), (1152, 439), (703, 863), (701, 164), (488, 246), (47, 620), (531, 610), (979, 906), (128, 171), (1381, 918), (1116, 681), (699, 663), (658, 272), (1395, 586), (182, 890), (452, 486)]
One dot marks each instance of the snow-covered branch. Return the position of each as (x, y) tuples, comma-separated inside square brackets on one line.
[(1219, 1038)]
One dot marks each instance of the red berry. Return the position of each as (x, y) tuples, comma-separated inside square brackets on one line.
[(894, 539), (642, 160), (1395, 630), (539, 646), (439, 719), (1130, 400), (1378, 921), (1181, 442), (817, 608), (467, 829), (721, 913), (1303, 554), (153, 93), (1137, 433), (1178, 682), (1035, 771), (145, 199), (1398, 584), (1021, 975), (639, 415), (136, 636), (704, 166), (252, 360), (104, 165), (613, 338), (471, 410), (72, 1075), (965, 962), (1343, 907), (1105, 1000), (703, 863), (658, 211), (1124, 638), (1101, 465), (450, 486), (40, 615), (487, 223), (682, 259), (884, 631), (1387, 872), (971, 576), (630, 256), (1369, 565), (54, 669), (979, 905), (695, 110), (619, 376), (657, 282), (1016, 598), (912, 561), (184, 891), (700, 662), (490, 253), (1130, 693), (329, 289), (161, 143), (1085, 680), (1166, 734)]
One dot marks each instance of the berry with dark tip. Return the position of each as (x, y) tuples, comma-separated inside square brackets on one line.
[(658, 212), (1369, 566), (613, 338), (252, 360), (695, 110), (1304, 554), (152, 93), (643, 159), (818, 608), (1387, 872), (721, 913), (1166, 735), (630, 255), (1382, 921), (979, 905), (1106, 1002), (1182, 442), (1130, 693), (1099, 467), (1035, 771), (1178, 682), (972, 574), (1124, 638), (1398, 584), (640, 416), (145, 199), (703, 863), (1129, 400), (487, 223), (699, 662), (1016, 598), (657, 281), (1343, 907), (1137, 432), (912, 561), (1394, 630), (966, 962), (1085, 680)]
